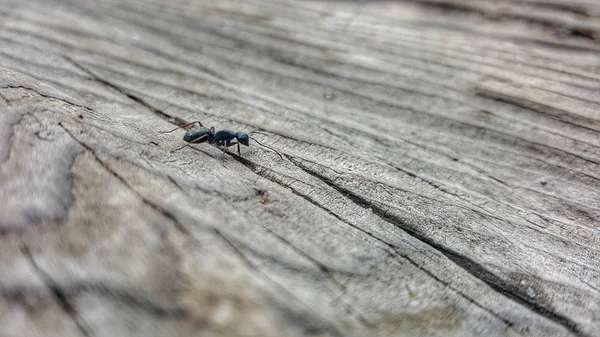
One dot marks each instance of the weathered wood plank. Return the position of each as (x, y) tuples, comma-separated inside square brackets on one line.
[(437, 174)]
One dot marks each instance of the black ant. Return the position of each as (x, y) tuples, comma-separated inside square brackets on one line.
[(198, 133)]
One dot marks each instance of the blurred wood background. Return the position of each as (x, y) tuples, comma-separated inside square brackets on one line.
[(439, 168)]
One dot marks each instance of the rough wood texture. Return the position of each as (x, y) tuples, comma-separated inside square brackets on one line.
[(439, 171)]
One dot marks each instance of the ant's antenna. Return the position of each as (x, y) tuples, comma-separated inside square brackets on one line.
[(268, 147)]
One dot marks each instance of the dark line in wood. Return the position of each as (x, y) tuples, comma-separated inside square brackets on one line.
[(329, 74), (179, 225), (392, 105), (394, 166), (166, 213), (435, 185), (327, 271), (259, 170), (137, 44), (593, 103), (61, 297), (168, 71), (213, 32), (492, 177), (470, 266), (561, 115), (562, 7), (556, 45), (161, 114), (395, 250), (538, 41), (589, 285), (483, 213), (122, 296), (550, 131), (428, 23), (284, 264), (127, 93), (386, 51), (330, 327), (395, 106), (574, 31), (321, 266), (45, 95)]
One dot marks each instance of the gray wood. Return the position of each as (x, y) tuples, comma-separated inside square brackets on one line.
[(437, 173)]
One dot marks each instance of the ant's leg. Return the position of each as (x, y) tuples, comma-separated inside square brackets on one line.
[(199, 139), (217, 144), (222, 145), (190, 123), (232, 144), (185, 126), (179, 148)]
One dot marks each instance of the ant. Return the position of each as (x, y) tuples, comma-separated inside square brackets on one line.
[(198, 133)]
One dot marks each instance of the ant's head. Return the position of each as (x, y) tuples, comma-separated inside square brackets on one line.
[(243, 138)]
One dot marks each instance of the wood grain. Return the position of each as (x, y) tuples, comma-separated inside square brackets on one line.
[(437, 169)]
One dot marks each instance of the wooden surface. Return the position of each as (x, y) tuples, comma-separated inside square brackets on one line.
[(439, 171)]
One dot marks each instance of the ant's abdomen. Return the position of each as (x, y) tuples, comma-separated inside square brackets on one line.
[(195, 133)]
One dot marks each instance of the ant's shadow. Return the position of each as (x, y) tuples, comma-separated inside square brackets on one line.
[(221, 157)]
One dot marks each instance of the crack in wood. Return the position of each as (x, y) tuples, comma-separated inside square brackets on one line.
[(180, 121), (395, 251), (166, 213), (573, 30), (330, 327), (467, 264), (244, 62), (477, 208), (539, 108), (123, 296), (433, 184), (10, 86), (327, 271), (455, 258), (158, 112), (441, 153), (162, 114), (60, 296)]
